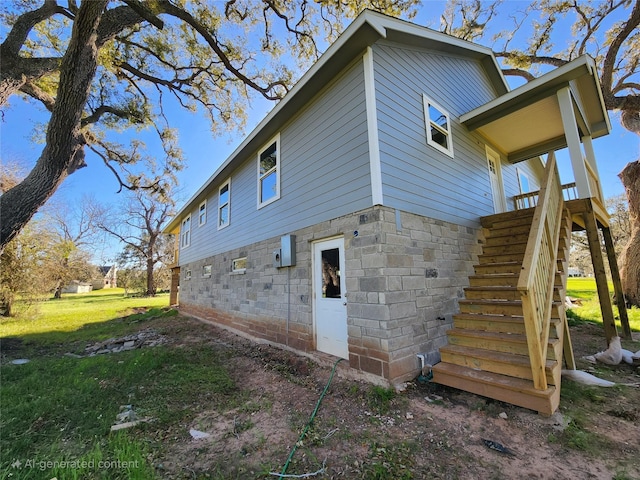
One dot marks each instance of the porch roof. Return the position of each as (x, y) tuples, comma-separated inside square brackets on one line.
[(526, 122)]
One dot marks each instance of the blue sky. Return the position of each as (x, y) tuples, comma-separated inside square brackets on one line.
[(204, 153)]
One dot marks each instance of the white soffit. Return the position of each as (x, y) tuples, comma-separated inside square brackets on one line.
[(526, 122), (534, 124)]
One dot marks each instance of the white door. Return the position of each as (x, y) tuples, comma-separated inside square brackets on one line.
[(493, 164), (330, 301)]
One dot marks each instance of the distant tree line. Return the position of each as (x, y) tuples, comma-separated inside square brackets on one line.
[(53, 250)]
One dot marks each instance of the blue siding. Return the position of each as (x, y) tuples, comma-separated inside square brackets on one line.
[(416, 177), (324, 174)]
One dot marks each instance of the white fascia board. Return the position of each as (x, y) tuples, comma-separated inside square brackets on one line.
[(565, 73)]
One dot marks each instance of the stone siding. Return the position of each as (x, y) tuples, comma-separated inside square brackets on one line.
[(404, 276)]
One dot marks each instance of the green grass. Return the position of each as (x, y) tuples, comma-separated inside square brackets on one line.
[(57, 411), (74, 311), (61, 409), (379, 398), (585, 289)]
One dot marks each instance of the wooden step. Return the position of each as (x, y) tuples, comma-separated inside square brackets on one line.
[(497, 279), (515, 391), (506, 258), (488, 307), (492, 293), (504, 249), (508, 231), (513, 237), (490, 323), (508, 223), (511, 324), (497, 362), (499, 342), (498, 268), (493, 221)]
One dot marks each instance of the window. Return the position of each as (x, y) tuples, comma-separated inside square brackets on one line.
[(523, 180), (239, 265), (185, 232), (202, 214), (187, 275), (224, 198), (438, 127), (206, 271), (268, 175)]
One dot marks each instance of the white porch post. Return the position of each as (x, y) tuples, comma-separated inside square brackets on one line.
[(591, 159), (573, 142)]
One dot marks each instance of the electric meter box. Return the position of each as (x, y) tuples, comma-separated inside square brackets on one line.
[(285, 256), (288, 250)]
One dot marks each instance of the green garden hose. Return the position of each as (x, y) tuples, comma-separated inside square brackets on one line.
[(313, 415)]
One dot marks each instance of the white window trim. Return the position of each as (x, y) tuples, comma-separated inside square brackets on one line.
[(201, 222), (206, 274), (184, 244), (238, 271), (227, 183), (275, 140), (428, 123), (187, 275)]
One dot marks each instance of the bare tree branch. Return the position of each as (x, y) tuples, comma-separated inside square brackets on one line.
[(517, 72)]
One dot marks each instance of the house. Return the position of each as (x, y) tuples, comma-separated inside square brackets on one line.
[(108, 277), (575, 272), (384, 210), (77, 287)]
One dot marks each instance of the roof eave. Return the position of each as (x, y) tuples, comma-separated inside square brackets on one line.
[(533, 90), (365, 30)]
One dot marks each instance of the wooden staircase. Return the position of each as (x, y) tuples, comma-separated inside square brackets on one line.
[(487, 352)]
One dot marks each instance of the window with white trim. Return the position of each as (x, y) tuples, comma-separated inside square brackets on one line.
[(206, 271), (268, 173), (224, 204), (185, 232), (239, 265), (202, 213), (438, 127), (523, 181), (187, 275)]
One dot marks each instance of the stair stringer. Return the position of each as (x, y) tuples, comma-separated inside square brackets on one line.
[(486, 352)]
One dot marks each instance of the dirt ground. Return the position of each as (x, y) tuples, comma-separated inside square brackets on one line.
[(427, 431)]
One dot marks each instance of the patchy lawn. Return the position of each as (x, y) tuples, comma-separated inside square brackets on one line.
[(253, 401)]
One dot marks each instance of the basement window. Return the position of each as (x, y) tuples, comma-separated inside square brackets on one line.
[(187, 275), (438, 127), (239, 265), (206, 271)]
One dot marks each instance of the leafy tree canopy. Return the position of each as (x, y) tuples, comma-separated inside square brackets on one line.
[(105, 66), (536, 38), (101, 66)]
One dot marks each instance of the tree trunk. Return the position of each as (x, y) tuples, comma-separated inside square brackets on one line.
[(630, 258), (64, 146), (151, 287), (58, 292), (6, 304)]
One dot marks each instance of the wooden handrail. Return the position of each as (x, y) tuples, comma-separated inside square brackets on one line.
[(536, 281), (530, 199), (594, 184)]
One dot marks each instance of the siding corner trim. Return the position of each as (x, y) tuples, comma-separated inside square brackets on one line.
[(372, 129)]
